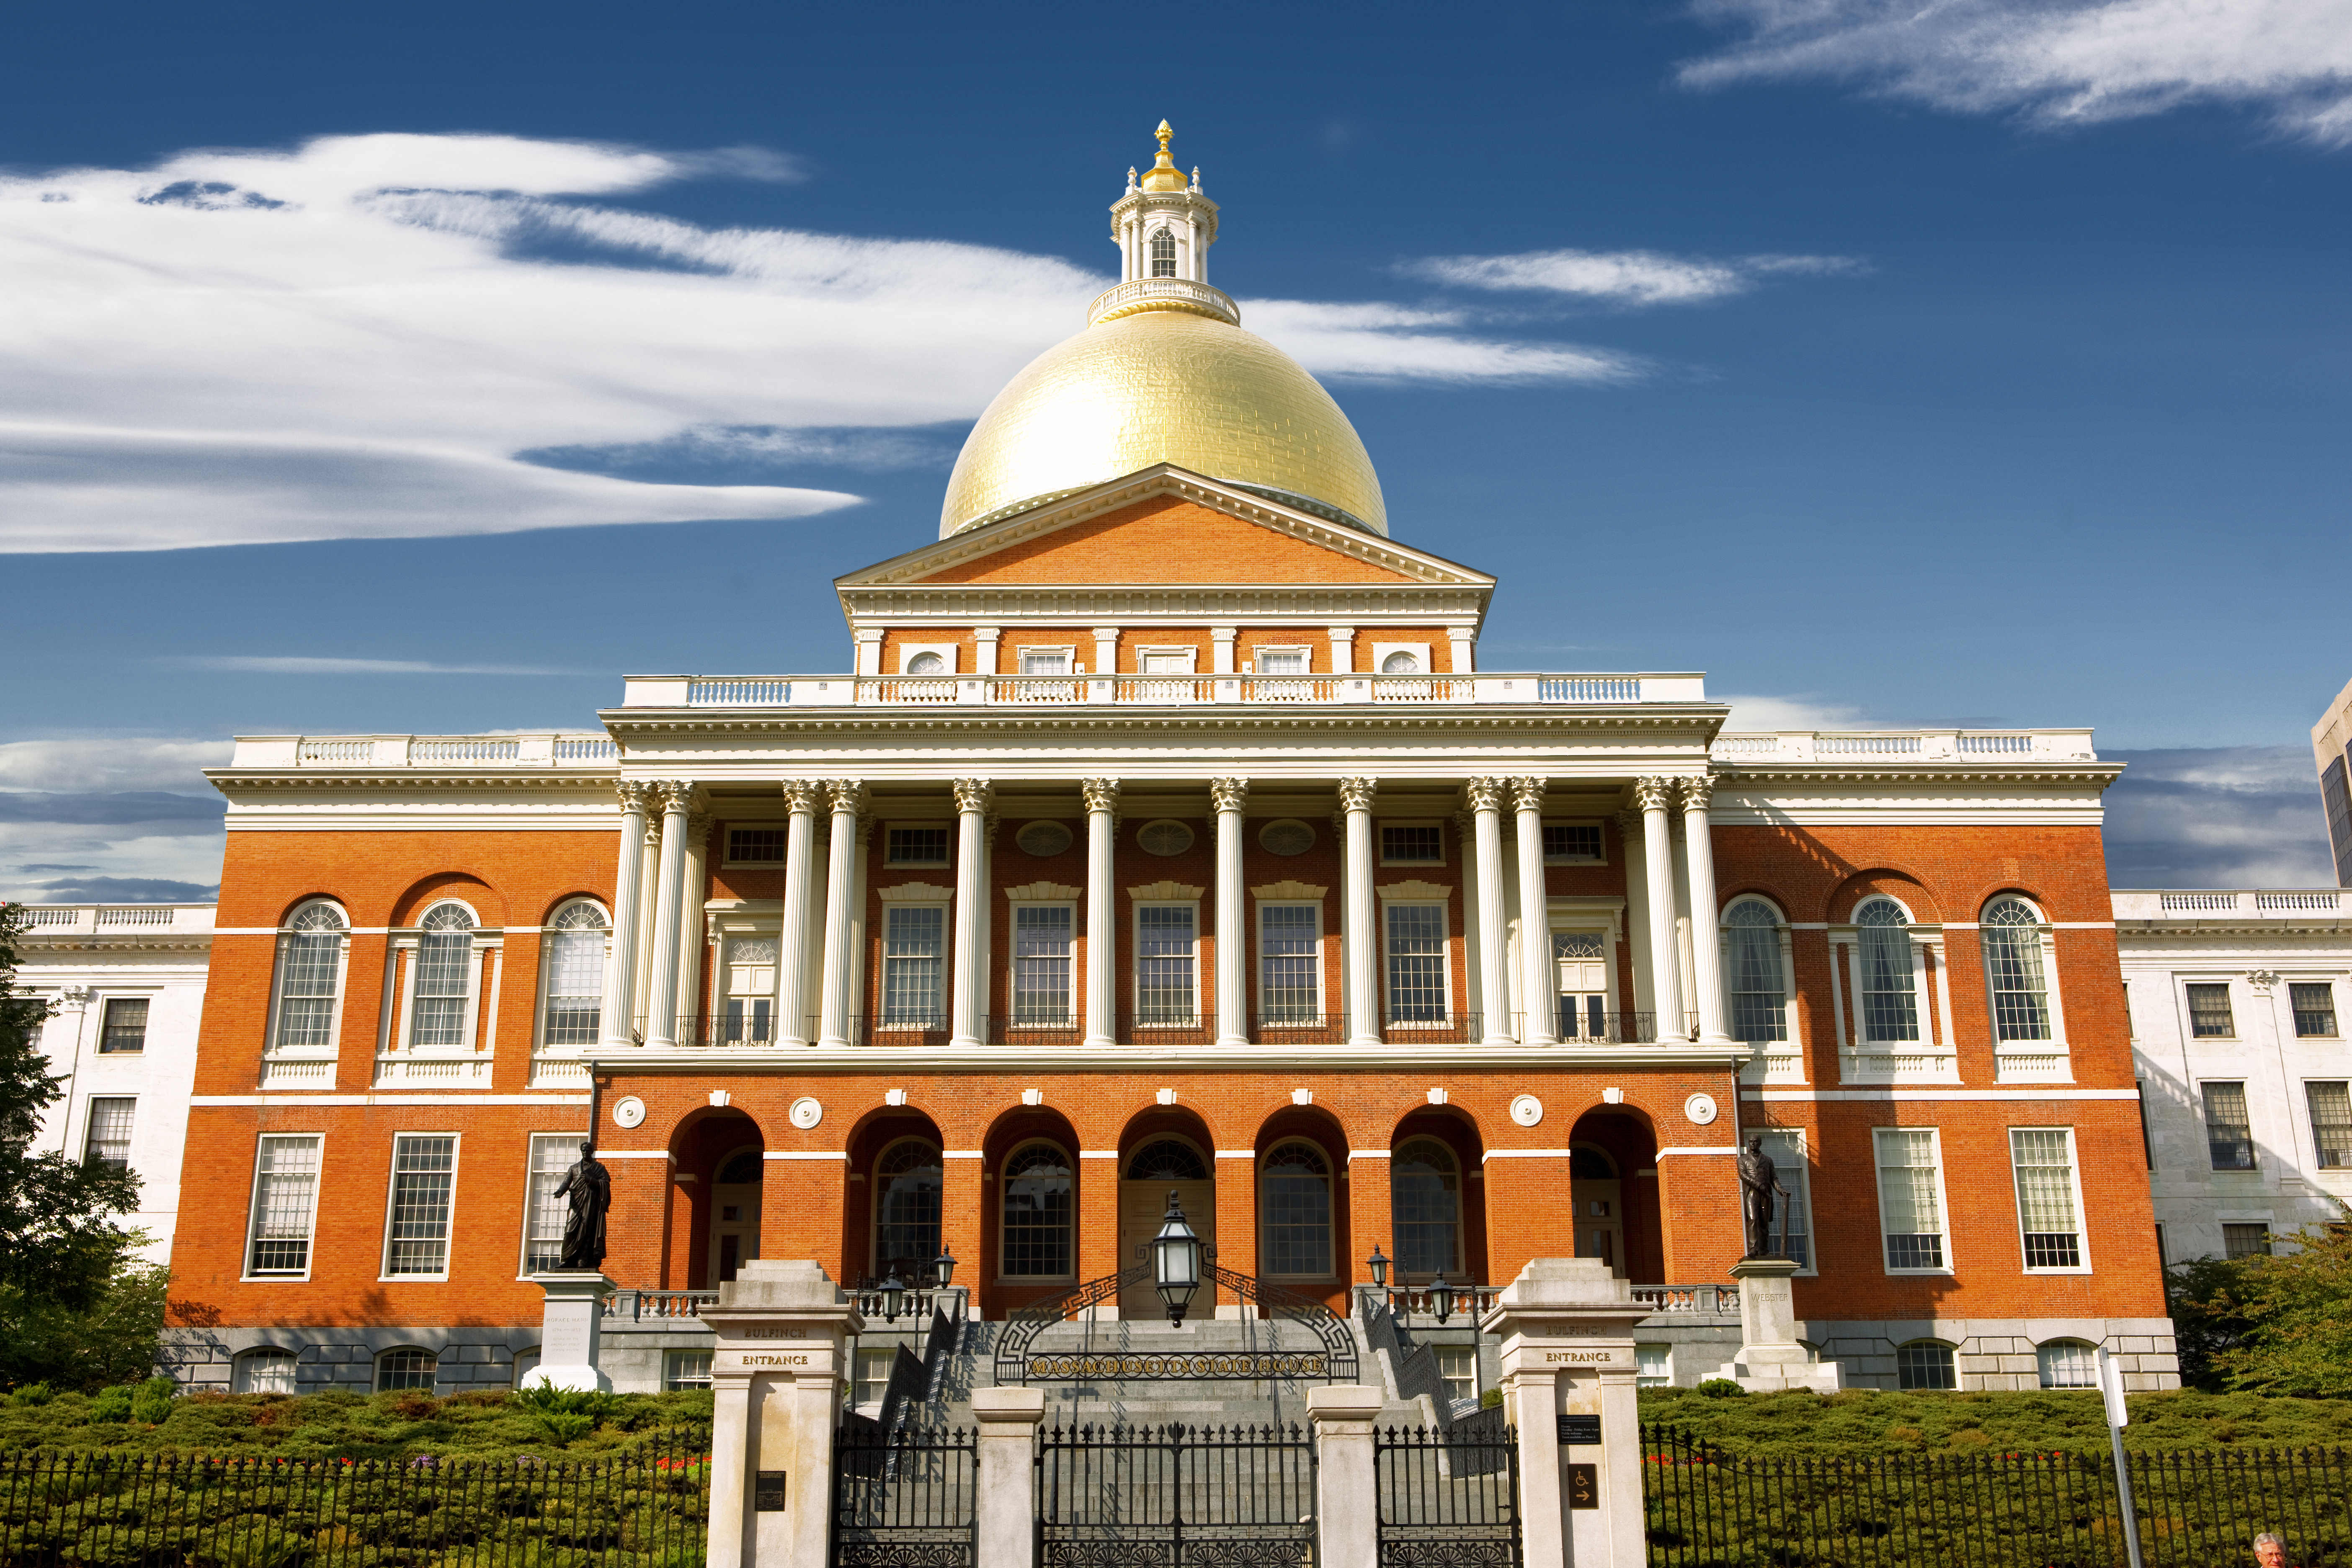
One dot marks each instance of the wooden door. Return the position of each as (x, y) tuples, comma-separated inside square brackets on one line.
[(1599, 1221)]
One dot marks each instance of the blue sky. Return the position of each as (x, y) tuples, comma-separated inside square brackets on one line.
[(1985, 363)]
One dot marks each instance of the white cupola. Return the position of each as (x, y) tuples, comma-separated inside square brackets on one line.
[(1162, 225)]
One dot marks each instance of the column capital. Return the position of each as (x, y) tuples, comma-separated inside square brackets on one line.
[(1697, 791), (845, 795), (1527, 793), (1482, 793), (697, 825), (1102, 795), (800, 795), (1229, 795), (974, 794), (635, 794), (1629, 823), (679, 795), (1356, 794), (1653, 793)]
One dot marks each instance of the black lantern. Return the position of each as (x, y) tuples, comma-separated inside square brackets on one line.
[(894, 1294), (1441, 1297), (945, 1265), (1176, 1261), (1380, 1268)]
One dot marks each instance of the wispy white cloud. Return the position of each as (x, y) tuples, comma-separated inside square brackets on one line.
[(367, 336), (1626, 278), (2234, 816), (108, 817), (110, 763), (2058, 61), (1756, 714), (296, 664)]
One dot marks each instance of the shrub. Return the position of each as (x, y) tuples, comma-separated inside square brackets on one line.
[(1490, 1400), (567, 1415), (151, 1402), (1722, 1388), (112, 1403), (31, 1393)]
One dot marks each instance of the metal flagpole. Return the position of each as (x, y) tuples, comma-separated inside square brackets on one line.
[(2111, 1389)]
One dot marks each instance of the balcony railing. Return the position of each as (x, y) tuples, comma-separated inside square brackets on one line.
[(659, 1306), (126, 920), (1077, 690), (545, 749), (2241, 903), (1904, 745), (752, 1028), (1720, 1299)]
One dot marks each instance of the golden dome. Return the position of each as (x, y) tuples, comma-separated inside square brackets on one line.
[(1162, 385)]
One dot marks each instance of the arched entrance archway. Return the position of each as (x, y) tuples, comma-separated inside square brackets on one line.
[(894, 1217), (1437, 1210), (721, 1170), (1613, 1185)]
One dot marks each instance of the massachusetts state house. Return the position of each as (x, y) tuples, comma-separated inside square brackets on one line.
[(1165, 831)]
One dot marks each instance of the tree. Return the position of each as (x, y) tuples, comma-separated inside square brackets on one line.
[(2205, 1298), (2296, 1312), (72, 1297)]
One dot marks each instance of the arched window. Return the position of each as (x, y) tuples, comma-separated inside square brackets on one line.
[(1167, 1160), (1038, 1190), (1759, 998), (1163, 254), (1295, 1201), (1425, 1203), (269, 1370), (1890, 998), (2068, 1363), (310, 977), (1924, 1363), (1586, 1164), (405, 1368), (926, 664), (445, 978), (575, 974), (2011, 934), (1401, 663), (907, 1185)]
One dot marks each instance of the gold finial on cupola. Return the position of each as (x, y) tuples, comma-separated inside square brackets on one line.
[(1165, 175)]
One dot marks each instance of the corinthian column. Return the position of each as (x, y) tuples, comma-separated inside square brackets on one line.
[(628, 881), (661, 1006), (1486, 799), (790, 1027), (972, 798), (1230, 795), (1538, 985), (1102, 910), (1359, 928), (1652, 795), (847, 798), (1706, 946)]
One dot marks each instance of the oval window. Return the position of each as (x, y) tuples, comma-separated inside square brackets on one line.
[(1043, 839), (1164, 838), (1288, 836)]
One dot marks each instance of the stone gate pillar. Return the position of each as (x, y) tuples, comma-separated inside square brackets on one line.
[(784, 1328), (1566, 1325)]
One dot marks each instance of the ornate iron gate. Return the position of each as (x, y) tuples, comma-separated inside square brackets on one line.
[(1175, 1497), (904, 1498), (1448, 1499), (1332, 1359)]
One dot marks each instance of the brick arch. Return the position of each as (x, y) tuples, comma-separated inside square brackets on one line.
[(2005, 888), (1012, 1128), (1904, 887), (868, 1138), (1458, 1130), (549, 906), (1317, 1125), (699, 1142), (315, 896), (488, 904), (1155, 1121), (1732, 892)]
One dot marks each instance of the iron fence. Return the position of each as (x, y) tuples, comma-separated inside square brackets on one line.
[(904, 1498), (1175, 1497), (1707, 1508), (147, 1510), (1448, 1498)]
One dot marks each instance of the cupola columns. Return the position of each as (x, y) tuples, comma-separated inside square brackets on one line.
[(1162, 224)]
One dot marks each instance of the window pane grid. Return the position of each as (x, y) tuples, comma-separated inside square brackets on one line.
[(1426, 1204), (1164, 988), (686, 1369), (396, 1370), (108, 1139), (2068, 1363), (575, 977), (2331, 1122), (1037, 1192), (1416, 961), (1287, 989), (2209, 1012), (1890, 1009), (422, 1171), (2245, 1240), (2013, 949), (126, 1025), (306, 987), (1907, 1187), (1295, 1200), (907, 1187), (1413, 845), (444, 974), (1040, 964), (2045, 1166), (287, 1184), (916, 847), (1759, 1011), (1924, 1366), (1787, 1151), (911, 944), (2229, 1133), (265, 1371), (2315, 1010), (551, 1156)]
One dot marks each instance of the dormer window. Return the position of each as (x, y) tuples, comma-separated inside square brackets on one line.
[(1163, 254), (926, 664)]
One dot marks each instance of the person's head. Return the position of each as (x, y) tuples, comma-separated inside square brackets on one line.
[(587, 1149), (2270, 1550), (1756, 1144)]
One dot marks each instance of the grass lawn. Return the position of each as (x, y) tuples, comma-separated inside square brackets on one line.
[(359, 1426), (1859, 1422)]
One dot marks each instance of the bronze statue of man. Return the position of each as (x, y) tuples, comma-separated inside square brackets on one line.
[(1759, 1184), (590, 1187)]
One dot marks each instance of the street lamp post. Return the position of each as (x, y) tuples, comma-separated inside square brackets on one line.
[(1176, 1261)]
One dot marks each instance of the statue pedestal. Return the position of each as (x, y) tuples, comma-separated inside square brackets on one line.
[(574, 1332), (1769, 1357), (784, 1328)]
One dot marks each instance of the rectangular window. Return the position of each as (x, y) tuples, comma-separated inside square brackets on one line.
[(1416, 964), (423, 1171), (2338, 799), (285, 1202), (445, 973), (1164, 978), (1458, 1366), (1165, 660), (107, 1142), (1282, 661), (1911, 1198), (914, 938), (1572, 843), (2163, 1253), (1040, 964), (575, 984), (2209, 1012), (2245, 1240), (756, 846), (685, 1369), (2331, 1122), (1290, 969), (1786, 1149), (2146, 1139), (1653, 1366), (1044, 661), (311, 965), (1579, 960), (2229, 1133), (2042, 1161), (2315, 1010), (1412, 844), (914, 847), (126, 1025), (874, 1374), (552, 1155)]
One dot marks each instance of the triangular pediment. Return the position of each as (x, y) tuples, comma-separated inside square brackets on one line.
[(1165, 526)]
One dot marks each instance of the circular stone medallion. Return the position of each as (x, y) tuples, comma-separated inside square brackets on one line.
[(806, 1113), (1700, 1109), (628, 1111), (1527, 1110)]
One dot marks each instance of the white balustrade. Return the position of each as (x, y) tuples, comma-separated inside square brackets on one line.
[(1038, 689), (2200, 901), (2296, 901), (40, 917), (462, 749), (1588, 689), (1162, 690), (546, 747), (586, 749), (337, 750), (1996, 746), (1866, 745), (136, 915), (908, 689), (739, 693)]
